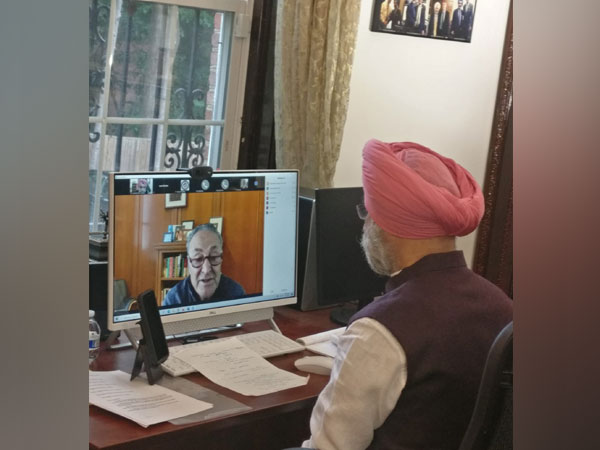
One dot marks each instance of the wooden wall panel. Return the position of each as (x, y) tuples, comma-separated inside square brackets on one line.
[(142, 220), (243, 236), (155, 220), (126, 214), (199, 208)]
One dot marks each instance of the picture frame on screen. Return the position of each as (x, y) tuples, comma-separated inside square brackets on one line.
[(180, 233), (218, 223), (175, 200)]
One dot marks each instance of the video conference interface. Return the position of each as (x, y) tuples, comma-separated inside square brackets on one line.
[(212, 274)]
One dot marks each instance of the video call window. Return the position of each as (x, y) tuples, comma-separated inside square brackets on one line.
[(202, 244), (226, 248)]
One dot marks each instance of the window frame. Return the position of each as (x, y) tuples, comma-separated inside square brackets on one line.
[(230, 83)]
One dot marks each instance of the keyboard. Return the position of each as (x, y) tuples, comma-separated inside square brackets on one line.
[(268, 343)]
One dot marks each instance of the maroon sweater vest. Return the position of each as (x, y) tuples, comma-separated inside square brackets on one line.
[(445, 317)]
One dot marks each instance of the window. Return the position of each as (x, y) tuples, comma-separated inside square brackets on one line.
[(164, 87)]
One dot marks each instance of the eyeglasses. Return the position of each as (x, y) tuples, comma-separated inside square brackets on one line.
[(361, 210), (214, 260)]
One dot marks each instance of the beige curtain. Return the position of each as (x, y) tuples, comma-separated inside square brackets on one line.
[(314, 50)]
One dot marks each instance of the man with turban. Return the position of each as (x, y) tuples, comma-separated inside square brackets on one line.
[(408, 366)]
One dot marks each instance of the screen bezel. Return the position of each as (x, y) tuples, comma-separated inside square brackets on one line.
[(204, 313)]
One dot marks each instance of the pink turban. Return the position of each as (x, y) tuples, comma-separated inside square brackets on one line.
[(413, 192)]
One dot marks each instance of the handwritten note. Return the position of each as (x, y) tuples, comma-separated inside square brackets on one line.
[(138, 401), (231, 364)]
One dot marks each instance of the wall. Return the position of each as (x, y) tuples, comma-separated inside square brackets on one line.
[(438, 93)]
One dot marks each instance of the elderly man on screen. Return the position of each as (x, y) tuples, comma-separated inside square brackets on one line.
[(205, 281), (408, 366)]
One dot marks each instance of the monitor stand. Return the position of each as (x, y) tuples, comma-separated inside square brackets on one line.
[(342, 314)]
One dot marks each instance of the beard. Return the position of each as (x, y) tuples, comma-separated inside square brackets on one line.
[(374, 248)]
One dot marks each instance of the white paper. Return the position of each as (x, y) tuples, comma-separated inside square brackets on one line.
[(327, 348), (325, 336), (137, 400), (231, 364)]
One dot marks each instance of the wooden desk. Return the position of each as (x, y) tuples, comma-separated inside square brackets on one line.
[(275, 421)]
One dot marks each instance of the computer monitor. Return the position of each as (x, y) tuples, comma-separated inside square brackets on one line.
[(151, 214), (332, 267)]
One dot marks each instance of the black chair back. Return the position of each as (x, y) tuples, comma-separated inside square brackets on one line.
[(491, 425)]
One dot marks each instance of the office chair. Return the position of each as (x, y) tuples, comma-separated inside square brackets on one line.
[(122, 300), (490, 427)]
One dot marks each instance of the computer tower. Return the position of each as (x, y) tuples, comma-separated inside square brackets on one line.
[(332, 268), (98, 293)]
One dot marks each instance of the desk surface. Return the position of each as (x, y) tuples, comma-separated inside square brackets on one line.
[(275, 421)]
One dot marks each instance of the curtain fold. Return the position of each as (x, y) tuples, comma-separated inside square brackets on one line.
[(314, 50)]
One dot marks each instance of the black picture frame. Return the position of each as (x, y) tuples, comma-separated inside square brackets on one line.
[(450, 20)]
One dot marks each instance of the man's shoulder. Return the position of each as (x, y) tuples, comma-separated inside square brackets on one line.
[(379, 306), (177, 294), (452, 284), (230, 286)]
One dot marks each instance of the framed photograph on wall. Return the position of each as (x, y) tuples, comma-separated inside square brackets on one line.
[(436, 19), (187, 225), (218, 223), (175, 200)]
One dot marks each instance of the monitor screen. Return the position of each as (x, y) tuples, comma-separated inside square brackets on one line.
[(217, 246)]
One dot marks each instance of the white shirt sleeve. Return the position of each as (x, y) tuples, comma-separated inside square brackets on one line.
[(368, 375)]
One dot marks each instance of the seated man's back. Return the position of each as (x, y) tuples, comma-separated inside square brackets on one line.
[(409, 365), (445, 317)]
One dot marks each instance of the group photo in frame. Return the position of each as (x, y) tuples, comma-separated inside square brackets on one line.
[(436, 19)]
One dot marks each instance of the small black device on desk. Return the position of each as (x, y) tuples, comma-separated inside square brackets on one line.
[(152, 349)]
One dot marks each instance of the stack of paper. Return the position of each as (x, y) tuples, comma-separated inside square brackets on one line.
[(231, 364), (324, 343), (138, 401)]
